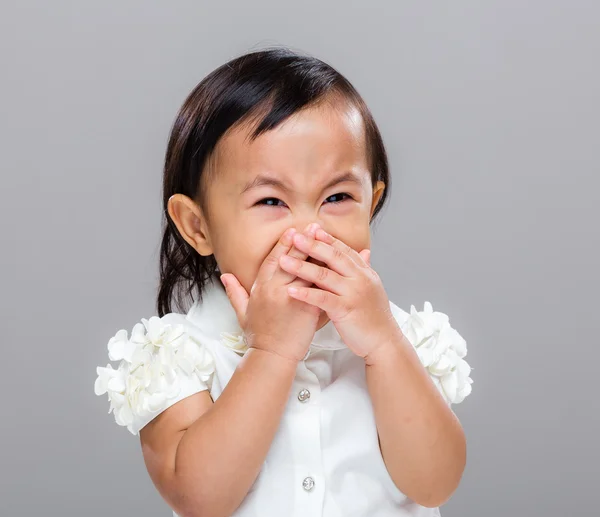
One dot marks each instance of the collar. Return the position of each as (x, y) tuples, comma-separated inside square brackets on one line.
[(215, 315)]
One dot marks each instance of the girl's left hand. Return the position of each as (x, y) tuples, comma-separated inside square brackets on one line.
[(348, 290)]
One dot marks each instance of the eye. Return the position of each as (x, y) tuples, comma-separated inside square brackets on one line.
[(270, 201), (339, 195), (333, 199)]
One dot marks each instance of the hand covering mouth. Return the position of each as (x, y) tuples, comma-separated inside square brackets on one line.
[(315, 261)]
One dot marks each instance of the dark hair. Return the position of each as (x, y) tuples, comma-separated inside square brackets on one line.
[(274, 83)]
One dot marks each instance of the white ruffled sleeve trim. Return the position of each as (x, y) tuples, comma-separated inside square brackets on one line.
[(440, 348), (160, 364)]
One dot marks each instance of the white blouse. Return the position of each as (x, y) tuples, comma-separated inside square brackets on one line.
[(325, 458)]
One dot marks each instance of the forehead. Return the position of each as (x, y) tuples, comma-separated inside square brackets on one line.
[(311, 145)]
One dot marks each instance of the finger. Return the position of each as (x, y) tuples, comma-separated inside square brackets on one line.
[(271, 262), (325, 300), (337, 258), (283, 275), (320, 276), (366, 256), (237, 295), (323, 236)]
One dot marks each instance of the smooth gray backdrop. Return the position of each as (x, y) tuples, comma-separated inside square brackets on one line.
[(490, 113)]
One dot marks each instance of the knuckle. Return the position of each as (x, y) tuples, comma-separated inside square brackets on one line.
[(322, 297), (372, 276), (363, 289), (322, 274), (272, 260)]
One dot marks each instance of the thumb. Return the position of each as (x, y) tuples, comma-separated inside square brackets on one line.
[(237, 295)]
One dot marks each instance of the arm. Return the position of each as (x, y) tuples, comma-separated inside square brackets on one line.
[(202, 456), (422, 441)]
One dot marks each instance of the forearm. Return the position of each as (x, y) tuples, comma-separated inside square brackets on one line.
[(221, 454), (422, 441)]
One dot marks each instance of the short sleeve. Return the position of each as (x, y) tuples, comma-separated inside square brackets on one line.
[(159, 365), (440, 348)]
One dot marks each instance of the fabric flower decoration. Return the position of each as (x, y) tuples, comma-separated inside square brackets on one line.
[(234, 341), (441, 350), (159, 365)]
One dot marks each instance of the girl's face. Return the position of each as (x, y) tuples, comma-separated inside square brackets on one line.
[(312, 168)]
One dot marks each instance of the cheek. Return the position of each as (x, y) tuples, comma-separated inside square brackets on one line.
[(243, 251), (358, 241), (354, 233)]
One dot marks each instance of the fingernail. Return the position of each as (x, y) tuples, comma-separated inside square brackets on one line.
[(223, 281), (313, 228)]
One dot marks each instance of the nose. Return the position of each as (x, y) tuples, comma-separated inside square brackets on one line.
[(302, 227)]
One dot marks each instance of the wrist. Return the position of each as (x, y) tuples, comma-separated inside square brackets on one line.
[(383, 352), (378, 354), (272, 355)]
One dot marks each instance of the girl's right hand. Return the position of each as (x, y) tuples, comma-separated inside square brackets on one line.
[(270, 318)]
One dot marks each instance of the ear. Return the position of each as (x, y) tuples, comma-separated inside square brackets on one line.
[(377, 192), (191, 223)]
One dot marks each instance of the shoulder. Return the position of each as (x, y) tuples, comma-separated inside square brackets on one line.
[(440, 348), (159, 363)]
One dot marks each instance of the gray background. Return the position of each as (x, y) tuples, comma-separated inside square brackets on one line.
[(490, 112)]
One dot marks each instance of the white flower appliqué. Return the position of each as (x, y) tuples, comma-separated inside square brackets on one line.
[(234, 341), (441, 350), (154, 364)]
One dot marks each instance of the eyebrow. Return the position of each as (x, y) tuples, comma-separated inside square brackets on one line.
[(262, 180)]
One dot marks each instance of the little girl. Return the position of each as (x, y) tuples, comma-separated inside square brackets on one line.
[(292, 386)]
